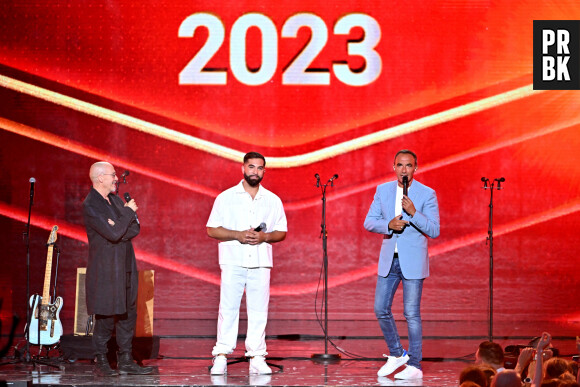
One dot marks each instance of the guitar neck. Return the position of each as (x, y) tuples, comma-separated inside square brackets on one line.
[(47, 277)]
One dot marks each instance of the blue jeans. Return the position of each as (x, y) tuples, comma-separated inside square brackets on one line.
[(384, 294)]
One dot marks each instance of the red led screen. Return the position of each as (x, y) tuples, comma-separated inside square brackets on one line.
[(177, 92)]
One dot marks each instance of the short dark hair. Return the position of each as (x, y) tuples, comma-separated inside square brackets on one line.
[(406, 152), (254, 155), (490, 352), (474, 374)]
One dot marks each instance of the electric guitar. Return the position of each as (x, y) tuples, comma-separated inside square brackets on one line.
[(45, 316)]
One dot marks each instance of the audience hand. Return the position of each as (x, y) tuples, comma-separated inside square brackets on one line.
[(544, 342), (526, 355)]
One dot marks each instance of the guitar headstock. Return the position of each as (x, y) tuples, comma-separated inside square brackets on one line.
[(52, 237)]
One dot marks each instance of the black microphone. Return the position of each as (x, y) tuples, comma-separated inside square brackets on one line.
[(499, 181), (124, 176), (128, 199), (32, 180), (484, 180), (261, 227), (331, 180), (317, 176), (405, 186)]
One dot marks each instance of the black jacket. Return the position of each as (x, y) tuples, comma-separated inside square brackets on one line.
[(111, 254)]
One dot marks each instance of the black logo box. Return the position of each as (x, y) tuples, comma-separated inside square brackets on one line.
[(573, 63)]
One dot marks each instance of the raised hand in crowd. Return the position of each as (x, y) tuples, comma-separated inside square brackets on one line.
[(544, 342), (526, 355)]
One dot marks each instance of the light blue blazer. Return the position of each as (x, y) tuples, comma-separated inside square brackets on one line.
[(412, 241)]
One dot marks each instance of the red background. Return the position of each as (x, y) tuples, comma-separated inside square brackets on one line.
[(457, 75)]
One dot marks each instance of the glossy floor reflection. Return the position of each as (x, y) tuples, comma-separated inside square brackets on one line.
[(182, 355), (183, 372)]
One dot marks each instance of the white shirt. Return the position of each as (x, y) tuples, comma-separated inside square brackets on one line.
[(234, 209), (398, 206)]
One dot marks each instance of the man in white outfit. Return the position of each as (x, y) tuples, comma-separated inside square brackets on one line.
[(245, 257)]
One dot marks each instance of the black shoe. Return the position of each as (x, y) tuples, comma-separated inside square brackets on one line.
[(127, 365), (102, 366)]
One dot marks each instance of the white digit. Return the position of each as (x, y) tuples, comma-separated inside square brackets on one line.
[(194, 73), (364, 48), (297, 73), (238, 62)]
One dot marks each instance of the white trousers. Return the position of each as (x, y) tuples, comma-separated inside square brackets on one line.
[(256, 282)]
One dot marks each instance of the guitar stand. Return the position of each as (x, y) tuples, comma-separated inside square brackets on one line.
[(56, 362), (38, 359), (46, 359)]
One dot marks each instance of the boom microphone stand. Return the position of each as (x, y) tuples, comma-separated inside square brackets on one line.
[(491, 186), (325, 357)]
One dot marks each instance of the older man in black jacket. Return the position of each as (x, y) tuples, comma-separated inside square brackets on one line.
[(112, 278)]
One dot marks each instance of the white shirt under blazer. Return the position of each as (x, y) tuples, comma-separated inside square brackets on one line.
[(412, 242)]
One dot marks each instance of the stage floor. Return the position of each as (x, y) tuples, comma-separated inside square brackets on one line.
[(182, 356), (186, 372)]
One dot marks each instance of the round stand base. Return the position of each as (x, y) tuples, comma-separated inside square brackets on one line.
[(325, 357)]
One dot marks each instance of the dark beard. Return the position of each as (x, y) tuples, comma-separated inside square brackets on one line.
[(252, 182)]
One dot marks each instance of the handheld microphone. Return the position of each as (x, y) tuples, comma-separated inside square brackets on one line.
[(128, 199), (261, 227), (405, 186), (32, 180), (317, 176)]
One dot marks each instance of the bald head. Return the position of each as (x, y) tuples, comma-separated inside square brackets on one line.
[(103, 176), (99, 168)]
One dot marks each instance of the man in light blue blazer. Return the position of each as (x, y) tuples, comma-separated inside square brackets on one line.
[(406, 213)]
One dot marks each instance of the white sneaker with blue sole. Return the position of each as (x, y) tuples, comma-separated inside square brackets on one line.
[(393, 363)]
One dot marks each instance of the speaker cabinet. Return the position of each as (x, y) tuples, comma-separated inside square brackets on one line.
[(81, 316), (144, 326)]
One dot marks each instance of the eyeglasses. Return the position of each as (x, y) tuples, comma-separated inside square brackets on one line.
[(110, 174)]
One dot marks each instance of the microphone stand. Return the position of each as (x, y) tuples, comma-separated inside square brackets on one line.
[(490, 185), (325, 357), (27, 356)]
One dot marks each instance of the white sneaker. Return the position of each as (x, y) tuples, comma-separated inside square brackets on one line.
[(258, 366), (220, 365), (393, 363), (410, 372)]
